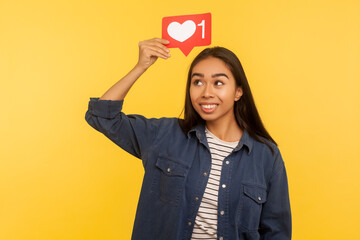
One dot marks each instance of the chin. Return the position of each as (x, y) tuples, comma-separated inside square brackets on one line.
[(208, 118)]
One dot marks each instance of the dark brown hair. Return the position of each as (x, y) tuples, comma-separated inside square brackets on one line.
[(246, 114)]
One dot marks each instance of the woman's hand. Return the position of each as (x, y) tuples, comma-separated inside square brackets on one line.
[(150, 50)]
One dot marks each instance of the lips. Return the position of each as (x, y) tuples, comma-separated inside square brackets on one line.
[(208, 107)]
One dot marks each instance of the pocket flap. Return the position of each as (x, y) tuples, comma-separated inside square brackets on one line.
[(170, 167), (255, 193)]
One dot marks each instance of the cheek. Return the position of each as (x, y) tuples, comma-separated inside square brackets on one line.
[(193, 103), (194, 98), (227, 97), (224, 94), (193, 95)]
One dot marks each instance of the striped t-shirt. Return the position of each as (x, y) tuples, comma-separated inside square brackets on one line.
[(205, 226)]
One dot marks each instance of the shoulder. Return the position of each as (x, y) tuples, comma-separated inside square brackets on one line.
[(166, 122), (161, 122), (167, 126), (271, 160), (261, 145)]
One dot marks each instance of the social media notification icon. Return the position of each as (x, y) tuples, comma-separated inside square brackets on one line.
[(187, 31)]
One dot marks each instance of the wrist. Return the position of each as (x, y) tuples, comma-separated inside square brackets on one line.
[(140, 68)]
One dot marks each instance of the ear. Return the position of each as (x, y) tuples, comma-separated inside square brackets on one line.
[(238, 93)]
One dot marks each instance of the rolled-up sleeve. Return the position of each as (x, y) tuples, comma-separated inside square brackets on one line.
[(133, 133), (275, 223)]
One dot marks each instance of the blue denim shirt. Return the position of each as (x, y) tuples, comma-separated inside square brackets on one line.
[(253, 190)]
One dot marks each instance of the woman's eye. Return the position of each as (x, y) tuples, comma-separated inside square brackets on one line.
[(219, 83), (197, 82)]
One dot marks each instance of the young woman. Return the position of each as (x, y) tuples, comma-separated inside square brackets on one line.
[(217, 173)]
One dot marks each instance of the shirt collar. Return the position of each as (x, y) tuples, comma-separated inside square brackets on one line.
[(246, 139)]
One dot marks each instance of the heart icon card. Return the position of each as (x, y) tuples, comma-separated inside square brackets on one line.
[(187, 31)]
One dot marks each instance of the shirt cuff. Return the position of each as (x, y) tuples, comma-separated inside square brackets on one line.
[(105, 108)]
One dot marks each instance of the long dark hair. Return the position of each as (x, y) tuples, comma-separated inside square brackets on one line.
[(246, 114)]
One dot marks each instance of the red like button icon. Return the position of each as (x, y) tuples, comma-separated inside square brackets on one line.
[(187, 31)]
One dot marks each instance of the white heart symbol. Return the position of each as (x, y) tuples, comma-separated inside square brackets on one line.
[(181, 32)]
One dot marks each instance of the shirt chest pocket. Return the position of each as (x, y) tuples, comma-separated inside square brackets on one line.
[(169, 181), (252, 200)]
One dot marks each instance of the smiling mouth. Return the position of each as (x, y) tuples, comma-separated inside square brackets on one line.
[(208, 108)]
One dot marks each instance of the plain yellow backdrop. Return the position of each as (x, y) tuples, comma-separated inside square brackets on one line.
[(62, 180)]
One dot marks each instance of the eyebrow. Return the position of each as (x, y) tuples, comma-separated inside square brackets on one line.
[(213, 76)]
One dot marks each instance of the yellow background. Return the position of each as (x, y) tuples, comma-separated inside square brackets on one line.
[(60, 179)]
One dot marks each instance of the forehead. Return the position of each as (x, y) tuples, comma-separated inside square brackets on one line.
[(211, 65)]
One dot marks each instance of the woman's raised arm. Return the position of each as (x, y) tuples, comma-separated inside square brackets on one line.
[(149, 51)]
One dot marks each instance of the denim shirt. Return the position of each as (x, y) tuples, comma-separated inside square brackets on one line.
[(253, 190)]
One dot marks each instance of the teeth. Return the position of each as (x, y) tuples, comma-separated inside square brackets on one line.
[(208, 106)]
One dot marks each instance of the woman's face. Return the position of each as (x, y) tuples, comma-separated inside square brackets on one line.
[(213, 90)]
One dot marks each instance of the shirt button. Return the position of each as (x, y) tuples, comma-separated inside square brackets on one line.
[(189, 223), (205, 174), (222, 212), (196, 198), (221, 238), (227, 162), (168, 170), (223, 186), (259, 198)]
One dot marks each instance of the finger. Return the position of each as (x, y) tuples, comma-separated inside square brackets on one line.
[(153, 42), (158, 52), (161, 40), (154, 54), (156, 49), (157, 44)]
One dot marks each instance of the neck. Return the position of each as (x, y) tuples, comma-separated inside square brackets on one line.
[(228, 131)]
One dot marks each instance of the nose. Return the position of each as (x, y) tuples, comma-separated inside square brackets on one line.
[(208, 91)]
